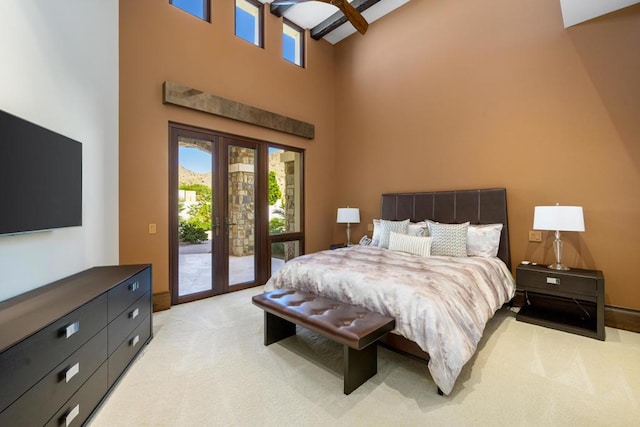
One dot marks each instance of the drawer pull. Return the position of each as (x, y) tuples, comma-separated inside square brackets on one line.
[(135, 340), (134, 313), (553, 280), (71, 329), (72, 372), (134, 286), (72, 415)]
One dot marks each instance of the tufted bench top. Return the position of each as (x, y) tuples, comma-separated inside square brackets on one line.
[(346, 324)]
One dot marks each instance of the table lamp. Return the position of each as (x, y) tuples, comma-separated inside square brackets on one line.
[(558, 218), (349, 216)]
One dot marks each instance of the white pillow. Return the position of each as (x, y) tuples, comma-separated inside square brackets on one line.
[(448, 239), (375, 238), (386, 227), (483, 240), (417, 228), (416, 245)]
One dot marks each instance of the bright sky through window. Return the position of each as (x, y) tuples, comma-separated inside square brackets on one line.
[(195, 160), (291, 44), (248, 21), (195, 7)]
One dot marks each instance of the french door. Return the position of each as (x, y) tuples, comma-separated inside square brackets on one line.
[(214, 206)]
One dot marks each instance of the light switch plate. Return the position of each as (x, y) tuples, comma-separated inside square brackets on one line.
[(152, 229), (535, 236)]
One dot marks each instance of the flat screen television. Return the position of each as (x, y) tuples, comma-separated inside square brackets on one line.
[(40, 178)]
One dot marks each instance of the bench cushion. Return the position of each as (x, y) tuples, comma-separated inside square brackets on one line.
[(346, 324)]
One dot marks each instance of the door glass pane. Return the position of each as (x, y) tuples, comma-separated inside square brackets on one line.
[(282, 252), (195, 199), (285, 191), (241, 221)]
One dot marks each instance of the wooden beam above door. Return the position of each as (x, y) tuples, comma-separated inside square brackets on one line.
[(184, 96)]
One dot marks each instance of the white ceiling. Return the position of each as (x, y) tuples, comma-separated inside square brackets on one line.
[(576, 11), (309, 14)]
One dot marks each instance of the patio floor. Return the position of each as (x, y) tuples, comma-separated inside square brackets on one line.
[(194, 268)]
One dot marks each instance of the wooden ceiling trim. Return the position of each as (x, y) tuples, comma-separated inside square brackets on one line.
[(338, 18), (279, 10)]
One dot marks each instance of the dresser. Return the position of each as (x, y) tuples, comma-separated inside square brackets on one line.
[(570, 301), (64, 345)]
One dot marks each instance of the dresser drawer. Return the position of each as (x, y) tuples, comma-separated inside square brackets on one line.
[(24, 364), (36, 405), (123, 295), (127, 350), (128, 320), (82, 404), (549, 280)]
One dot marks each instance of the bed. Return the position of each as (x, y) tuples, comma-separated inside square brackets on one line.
[(441, 304)]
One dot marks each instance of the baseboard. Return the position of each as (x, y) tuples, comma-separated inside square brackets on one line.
[(622, 318), (161, 301)]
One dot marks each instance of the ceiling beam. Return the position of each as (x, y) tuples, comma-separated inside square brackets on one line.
[(338, 18), (279, 10)]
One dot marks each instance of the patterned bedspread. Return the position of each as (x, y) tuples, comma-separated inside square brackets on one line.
[(441, 303)]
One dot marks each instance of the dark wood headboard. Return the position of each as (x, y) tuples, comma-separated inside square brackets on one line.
[(487, 206)]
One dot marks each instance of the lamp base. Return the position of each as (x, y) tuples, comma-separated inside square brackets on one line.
[(558, 266)]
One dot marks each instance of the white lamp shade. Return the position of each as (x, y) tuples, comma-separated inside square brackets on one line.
[(558, 218), (348, 215)]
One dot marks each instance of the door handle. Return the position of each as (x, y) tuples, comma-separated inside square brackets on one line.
[(216, 225), (228, 224)]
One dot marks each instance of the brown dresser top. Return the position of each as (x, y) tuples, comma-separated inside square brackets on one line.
[(25, 314)]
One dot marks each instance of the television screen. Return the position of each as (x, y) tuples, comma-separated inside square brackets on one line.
[(40, 178)]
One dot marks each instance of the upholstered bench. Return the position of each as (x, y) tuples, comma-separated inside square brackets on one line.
[(356, 328)]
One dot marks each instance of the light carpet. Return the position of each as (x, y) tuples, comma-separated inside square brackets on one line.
[(207, 366)]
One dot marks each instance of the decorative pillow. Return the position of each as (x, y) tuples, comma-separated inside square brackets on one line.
[(386, 227), (448, 239), (416, 245), (375, 238), (483, 240), (417, 228)]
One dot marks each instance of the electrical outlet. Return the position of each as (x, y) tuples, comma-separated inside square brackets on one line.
[(535, 236), (152, 229), (369, 227)]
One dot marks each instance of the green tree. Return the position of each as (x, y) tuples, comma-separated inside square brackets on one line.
[(275, 193), (200, 212)]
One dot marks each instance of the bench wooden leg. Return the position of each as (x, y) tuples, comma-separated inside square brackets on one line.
[(359, 366), (276, 328)]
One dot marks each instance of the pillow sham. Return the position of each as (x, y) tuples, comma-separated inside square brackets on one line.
[(483, 240), (375, 238), (448, 239), (416, 245), (386, 227), (417, 228)]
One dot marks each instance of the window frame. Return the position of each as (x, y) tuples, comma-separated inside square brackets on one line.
[(302, 48), (206, 4), (259, 21)]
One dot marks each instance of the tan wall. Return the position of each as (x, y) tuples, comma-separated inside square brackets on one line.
[(452, 95), (159, 42)]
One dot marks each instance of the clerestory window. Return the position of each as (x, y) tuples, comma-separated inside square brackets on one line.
[(249, 21), (293, 43), (198, 8)]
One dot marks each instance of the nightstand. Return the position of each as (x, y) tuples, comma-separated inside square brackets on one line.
[(337, 246), (570, 301)]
